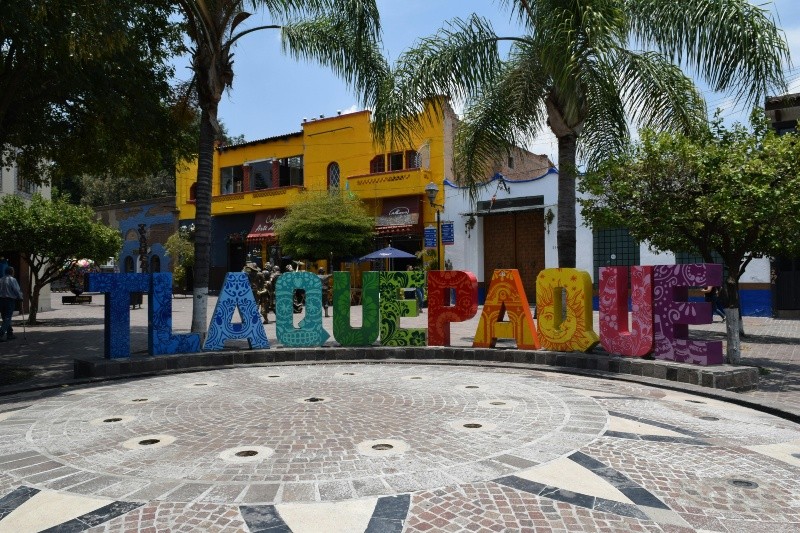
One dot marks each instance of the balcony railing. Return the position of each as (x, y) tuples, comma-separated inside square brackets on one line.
[(394, 183), (250, 201)]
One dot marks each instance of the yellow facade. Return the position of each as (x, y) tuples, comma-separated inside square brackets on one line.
[(261, 176), (343, 139)]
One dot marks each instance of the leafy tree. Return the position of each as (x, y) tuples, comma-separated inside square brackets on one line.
[(571, 69), (338, 33), (180, 248), (321, 224), (85, 87), (729, 191), (50, 237), (124, 183)]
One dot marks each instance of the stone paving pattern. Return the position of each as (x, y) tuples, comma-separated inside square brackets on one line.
[(555, 452)]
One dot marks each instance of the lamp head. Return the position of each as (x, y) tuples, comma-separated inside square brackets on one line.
[(431, 190)]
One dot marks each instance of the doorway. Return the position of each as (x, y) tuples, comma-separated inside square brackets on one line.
[(514, 240)]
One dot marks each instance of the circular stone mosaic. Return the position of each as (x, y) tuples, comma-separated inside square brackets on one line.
[(317, 447)]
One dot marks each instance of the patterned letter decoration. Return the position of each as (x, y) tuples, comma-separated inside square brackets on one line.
[(310, 333), (392, 308), (118, 289), (614, 334), (343, 332), (673, 314), (506, 295), (236, 293), (574, 333), (160, 339), (440, 312)]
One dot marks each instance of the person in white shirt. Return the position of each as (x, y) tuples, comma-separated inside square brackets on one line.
[(9, 294)]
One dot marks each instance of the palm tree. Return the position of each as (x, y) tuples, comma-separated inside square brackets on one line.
[(573, 69), (339, 34)]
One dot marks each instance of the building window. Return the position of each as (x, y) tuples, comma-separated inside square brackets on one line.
[(378, 164), (290, 171), (231, 179), (412, 159), (23, 185), (395, 161), (333, 176), (129, 265), (261, 175), (193, 192), (155, 264), (614, 247), (511, 161)]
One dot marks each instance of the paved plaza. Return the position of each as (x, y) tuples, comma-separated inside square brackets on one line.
[(385, 447)]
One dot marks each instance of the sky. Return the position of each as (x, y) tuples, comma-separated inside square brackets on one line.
[(272, 93)]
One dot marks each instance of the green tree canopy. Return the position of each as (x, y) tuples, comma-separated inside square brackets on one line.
[(321, 224), (732, 192), (85, 87), (572, 69), (50, 236)]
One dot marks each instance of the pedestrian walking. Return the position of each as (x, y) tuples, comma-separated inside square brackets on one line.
[(9, 294), (711, 295)]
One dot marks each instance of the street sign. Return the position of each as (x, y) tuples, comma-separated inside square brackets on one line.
[(430, 237), (448, 235)]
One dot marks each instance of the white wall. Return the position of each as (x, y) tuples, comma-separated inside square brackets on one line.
[(467, 252)]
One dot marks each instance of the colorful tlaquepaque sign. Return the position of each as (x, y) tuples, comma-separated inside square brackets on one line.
[(615, 336), (661, 312), (392, 308), (441, 311), (236, 294), (343, 331), (571, 331), (673, 313), (506, 296)]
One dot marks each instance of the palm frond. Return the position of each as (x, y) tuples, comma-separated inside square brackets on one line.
[(454, 63), (333, 41), (733, 44), (604, 130), (658, 94), (500, 118)]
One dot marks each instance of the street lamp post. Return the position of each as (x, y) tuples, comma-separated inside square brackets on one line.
[(431, 190)]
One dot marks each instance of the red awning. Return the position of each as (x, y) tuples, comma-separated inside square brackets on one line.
[(398, 215), (264, 226)]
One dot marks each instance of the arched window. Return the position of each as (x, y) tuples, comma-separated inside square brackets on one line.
[(333, 176), (129, 265), (193, 192), (155, 264)]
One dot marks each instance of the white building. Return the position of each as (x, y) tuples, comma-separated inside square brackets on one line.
[(513, 225)]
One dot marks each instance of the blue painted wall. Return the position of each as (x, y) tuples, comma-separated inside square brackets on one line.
[(159, 217)]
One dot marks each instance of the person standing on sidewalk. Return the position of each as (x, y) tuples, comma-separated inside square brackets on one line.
[(711, 295), (9, 294)]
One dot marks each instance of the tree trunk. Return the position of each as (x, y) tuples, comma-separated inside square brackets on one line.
[(734, 350), (567, 173), (733, 320), (202, 224), (33, 304)]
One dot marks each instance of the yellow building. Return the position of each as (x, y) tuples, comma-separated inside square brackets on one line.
[(254, 183)]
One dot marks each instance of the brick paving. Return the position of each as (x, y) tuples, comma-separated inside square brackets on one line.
[(476, 449)]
